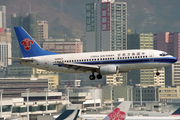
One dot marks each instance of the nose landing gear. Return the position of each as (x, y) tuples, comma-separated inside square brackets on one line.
[(157, 73)]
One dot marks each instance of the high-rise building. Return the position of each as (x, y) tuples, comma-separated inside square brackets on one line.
[(106, 25), (175, 72), (173, 46), (5, 49), (42, 31), (133, 42), (146, 75), (106, 29), (161, 40), (2, 16)]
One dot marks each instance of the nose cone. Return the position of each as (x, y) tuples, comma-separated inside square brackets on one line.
[(174, 59)]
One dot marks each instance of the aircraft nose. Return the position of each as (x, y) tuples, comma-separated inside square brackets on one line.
[(174, 59)]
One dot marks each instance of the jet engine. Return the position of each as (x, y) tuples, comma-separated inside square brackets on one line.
[(108, 69)]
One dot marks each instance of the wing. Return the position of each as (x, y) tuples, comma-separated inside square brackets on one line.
[(78, 67)]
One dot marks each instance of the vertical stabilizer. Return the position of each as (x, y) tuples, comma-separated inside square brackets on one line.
[(120, 112), (28, 45), (177, 112)]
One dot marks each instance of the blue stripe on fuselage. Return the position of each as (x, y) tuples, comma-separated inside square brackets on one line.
[(128, 61)]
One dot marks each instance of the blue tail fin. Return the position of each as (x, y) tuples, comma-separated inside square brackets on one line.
[(177, 112), (28, 45)]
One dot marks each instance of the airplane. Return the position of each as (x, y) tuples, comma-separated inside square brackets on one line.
[(102, 63), (174, 116), (121, 114)]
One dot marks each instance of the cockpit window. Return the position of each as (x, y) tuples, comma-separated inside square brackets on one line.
[(163, 54)]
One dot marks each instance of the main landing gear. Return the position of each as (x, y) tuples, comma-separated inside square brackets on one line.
[(92, 77)]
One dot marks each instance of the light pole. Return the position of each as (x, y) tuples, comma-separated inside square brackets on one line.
[(46, 90), (94, 99), (68, 95), (27, 91), (1, 91), (127, 93), (155, 93), (132, 96), (111, 96), (141, 94)]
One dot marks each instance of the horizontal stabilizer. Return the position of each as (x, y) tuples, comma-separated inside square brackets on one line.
[(22, 59)]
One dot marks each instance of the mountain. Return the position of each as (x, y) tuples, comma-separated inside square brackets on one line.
[(68, 16)]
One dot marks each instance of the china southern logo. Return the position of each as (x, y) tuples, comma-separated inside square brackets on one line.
[(27, 43)]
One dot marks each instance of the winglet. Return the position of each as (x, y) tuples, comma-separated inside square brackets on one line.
[(28, 45), (120, 112)]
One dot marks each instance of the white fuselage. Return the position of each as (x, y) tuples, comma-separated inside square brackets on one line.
[(101, 116), (126, 60)]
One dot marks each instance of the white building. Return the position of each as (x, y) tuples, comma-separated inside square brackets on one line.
[(2, 16), (17, 107), (5, 49), (159, 80), (176, 73), (42, 30)]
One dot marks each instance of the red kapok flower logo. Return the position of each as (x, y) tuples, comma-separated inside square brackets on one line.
[(117, 115), (27, 43)]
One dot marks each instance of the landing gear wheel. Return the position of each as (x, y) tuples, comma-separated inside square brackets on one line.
[(92, 77), (99, 76), (157, 73)]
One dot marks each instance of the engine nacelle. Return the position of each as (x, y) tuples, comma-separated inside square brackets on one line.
[(108, 69)]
